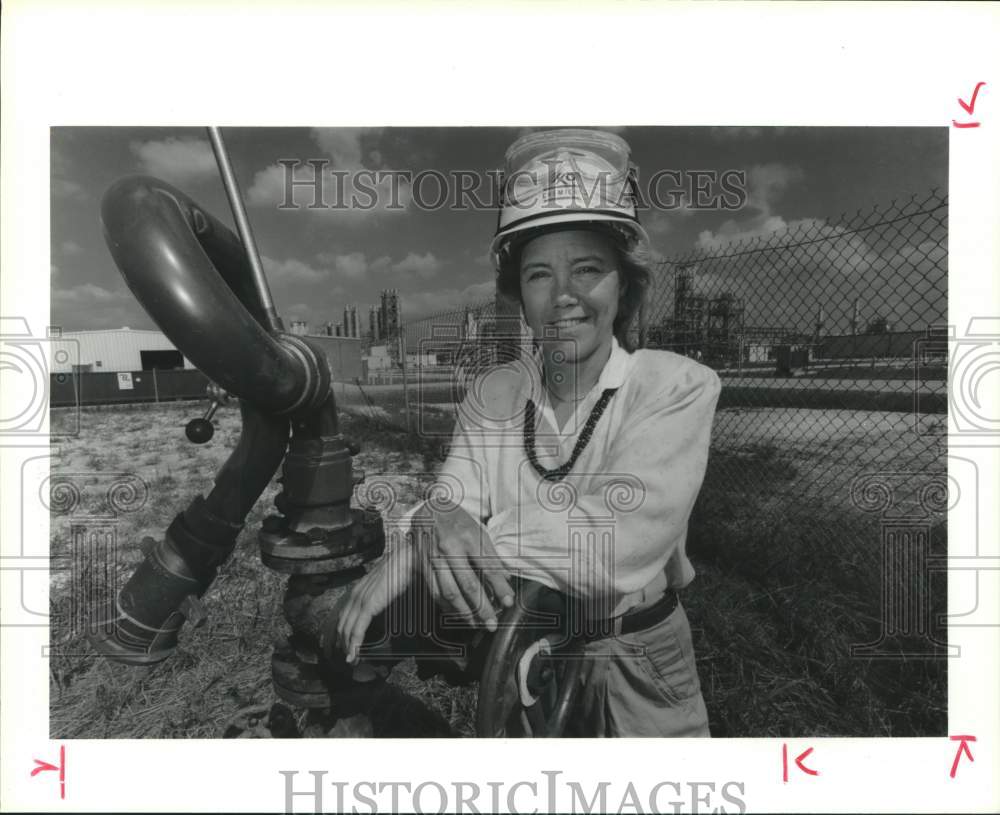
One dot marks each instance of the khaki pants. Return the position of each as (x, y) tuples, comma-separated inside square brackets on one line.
[(641, 684)]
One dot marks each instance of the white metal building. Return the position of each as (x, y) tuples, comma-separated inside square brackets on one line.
[(111, 350), (378, 358)]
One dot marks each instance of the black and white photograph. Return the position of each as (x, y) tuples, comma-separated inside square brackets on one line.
[(458, 432), (501, 408)]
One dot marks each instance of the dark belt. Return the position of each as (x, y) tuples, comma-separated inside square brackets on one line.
[(632, 621)]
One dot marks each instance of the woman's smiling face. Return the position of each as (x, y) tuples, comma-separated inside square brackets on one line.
[(570, 289)]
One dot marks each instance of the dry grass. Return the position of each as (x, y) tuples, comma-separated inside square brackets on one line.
[(783, 588)]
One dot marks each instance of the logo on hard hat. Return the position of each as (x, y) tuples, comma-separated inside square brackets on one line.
[(566, 177)]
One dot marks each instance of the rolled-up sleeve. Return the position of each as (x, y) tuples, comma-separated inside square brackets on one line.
[(612, 535)]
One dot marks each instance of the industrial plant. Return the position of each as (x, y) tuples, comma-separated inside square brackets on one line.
[(715, 329)]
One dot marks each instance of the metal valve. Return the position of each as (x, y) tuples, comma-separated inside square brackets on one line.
[(201, 430)]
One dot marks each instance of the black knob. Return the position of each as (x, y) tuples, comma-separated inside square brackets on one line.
[(199, 430)]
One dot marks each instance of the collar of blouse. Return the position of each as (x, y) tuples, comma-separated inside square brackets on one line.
[(613, 375)]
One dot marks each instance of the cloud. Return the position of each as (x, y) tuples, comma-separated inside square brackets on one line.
[(821, 262), (60, 167), (359, 190), (342, 145), (852, 253), (783, 277), (174, 159), (64, 188), (292, 271), (91, 306), (268, 189), (735, 232), (423, 266), (381, 264), (485, 260), (418, 305), (70, 248), (356, 265), (353, 266), (359, 195), (766, 184), (88, 293), (659, 222), (782, 271), (298, 310)]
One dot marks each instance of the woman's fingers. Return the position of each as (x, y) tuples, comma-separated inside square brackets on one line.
[(459, 562), (345, 623), (448, 591), (470, 584), (348, 622), (500, 586), (369, 597), (355, 634), (495, 576)]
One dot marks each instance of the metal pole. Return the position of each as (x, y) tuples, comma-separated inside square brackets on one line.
[(156, 388), (243, 227), (402, 358)]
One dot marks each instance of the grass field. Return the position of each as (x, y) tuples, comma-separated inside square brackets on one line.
[(788, 578)]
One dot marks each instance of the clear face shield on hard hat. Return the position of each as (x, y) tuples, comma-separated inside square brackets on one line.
[(556, 177)]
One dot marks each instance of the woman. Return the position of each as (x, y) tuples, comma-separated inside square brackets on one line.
[(577, 467)]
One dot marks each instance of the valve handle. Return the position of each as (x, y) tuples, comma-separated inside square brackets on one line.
[(201, 430)]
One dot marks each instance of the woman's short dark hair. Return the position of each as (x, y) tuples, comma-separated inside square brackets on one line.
[(634, 271)]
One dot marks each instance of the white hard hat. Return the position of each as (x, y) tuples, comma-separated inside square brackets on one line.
[(559, 177)]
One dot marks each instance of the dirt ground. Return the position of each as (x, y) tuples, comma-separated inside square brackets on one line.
[(782, 477)]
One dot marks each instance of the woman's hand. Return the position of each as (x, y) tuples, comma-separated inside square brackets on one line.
[(371, 595), (458, 561)]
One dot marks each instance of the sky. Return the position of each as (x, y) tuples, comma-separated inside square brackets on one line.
[(320, 258)]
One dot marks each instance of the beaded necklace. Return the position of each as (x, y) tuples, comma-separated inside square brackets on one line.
[(560, 472)]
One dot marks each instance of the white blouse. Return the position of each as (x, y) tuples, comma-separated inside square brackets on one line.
[(612, 531)]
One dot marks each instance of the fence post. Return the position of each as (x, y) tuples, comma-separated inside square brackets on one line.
[(402, 361), (156, 388)]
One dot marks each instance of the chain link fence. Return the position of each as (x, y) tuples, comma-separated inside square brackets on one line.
[(417, 383), (830, 339)]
